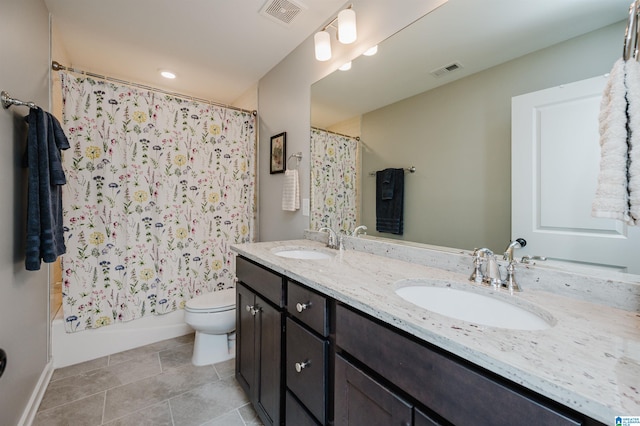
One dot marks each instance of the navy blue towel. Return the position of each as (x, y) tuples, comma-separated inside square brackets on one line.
[(390, 201), (45, 139)]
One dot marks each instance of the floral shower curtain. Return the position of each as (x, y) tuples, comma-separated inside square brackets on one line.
[(158, 188), (334, 181)]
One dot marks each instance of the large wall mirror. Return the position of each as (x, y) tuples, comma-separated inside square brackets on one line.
[(437, 96)]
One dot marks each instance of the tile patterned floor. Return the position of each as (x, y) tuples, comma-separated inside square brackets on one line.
[(151, 385)]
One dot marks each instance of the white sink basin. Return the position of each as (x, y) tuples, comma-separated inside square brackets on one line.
[(472, 307), (307, 254)]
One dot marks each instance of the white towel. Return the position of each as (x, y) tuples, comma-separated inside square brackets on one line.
[(612, 198), (633, 99), (291, 191)]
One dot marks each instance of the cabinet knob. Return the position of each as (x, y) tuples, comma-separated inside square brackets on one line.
[(252, 309), (302, 306), (302, 365)]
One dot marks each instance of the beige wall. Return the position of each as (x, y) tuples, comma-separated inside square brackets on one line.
[(284, 99), (24, 72), (459, 138)]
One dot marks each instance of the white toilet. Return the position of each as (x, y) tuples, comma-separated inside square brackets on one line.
[(213, 317)]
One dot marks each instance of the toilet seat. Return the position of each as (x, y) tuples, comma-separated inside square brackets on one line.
[(216, 301)]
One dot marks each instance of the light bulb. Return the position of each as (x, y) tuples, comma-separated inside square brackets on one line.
[(345, 67), (347, 26), (167, 74), (322, 42)]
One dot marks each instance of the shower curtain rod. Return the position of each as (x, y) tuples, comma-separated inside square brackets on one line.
[(56, 66), (336, 133)]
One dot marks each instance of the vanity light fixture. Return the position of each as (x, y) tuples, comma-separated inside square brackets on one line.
[(345, 67), (371, 51), (322, 41), (346, 33), (167, 74)]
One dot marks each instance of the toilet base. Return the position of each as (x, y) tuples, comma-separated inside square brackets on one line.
[(211, 349)]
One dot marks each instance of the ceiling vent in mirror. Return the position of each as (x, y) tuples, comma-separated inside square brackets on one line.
[(282, 11), (439, 72)]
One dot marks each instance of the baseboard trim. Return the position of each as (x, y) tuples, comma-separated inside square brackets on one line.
[(30, 411)]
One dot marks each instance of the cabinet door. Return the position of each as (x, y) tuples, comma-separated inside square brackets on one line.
[(245, 339), (307, 358), (359, 400), (296, 414), (269, 398)]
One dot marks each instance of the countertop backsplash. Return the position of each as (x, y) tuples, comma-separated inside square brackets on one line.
[(609, 288)]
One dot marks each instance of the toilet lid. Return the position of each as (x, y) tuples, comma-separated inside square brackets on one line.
[(220, 300)]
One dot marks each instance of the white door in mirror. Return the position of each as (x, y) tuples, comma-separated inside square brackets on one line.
[(555, 161)]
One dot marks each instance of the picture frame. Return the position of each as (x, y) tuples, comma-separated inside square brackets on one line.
[(277, 159)]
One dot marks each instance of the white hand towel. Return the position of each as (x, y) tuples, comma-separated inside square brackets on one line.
[(633, 99), (291, 191), (611, 200)]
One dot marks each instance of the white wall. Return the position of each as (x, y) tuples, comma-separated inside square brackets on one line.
[(284, 102), (24, 72)]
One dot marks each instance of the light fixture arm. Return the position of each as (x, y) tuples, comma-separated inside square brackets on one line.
[(332, 23), (345, 22)]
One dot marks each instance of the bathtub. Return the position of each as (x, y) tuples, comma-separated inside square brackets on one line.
[(72, 348)]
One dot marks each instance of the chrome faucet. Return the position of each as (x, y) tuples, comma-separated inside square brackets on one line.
[(510, 282), (359, 229), (491, 273), (332, 242), (515, 244)]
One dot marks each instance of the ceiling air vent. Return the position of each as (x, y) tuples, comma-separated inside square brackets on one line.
[(446, 69), (282, 11)]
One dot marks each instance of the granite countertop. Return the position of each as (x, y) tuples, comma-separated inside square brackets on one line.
[(589, 360)]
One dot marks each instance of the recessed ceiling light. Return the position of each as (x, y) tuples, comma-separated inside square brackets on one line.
[(167, 74)]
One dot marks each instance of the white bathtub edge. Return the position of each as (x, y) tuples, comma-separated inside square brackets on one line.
[(73, 348)]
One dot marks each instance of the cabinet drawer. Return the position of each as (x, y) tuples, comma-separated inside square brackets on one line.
[(267, 283), (455, 391), (309, 307), (307, 358)]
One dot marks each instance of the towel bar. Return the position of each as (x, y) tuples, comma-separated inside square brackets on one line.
[(8, 101), (411, 169)]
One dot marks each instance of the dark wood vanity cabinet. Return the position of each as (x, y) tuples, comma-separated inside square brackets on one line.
[(260, 339), (450, 390), (361, 400), (306, 360)]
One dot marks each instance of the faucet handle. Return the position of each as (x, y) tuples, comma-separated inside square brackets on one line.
[(477, 276), (510, 282)]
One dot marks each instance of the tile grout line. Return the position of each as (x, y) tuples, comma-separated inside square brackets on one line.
[(104, 407), (173, 422)]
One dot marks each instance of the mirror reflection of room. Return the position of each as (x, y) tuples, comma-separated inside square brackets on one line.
[(445, 108)]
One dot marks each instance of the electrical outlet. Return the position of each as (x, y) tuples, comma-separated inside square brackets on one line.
[(305, 207)]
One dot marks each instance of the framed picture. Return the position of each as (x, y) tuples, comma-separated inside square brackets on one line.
[(278, 153)]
